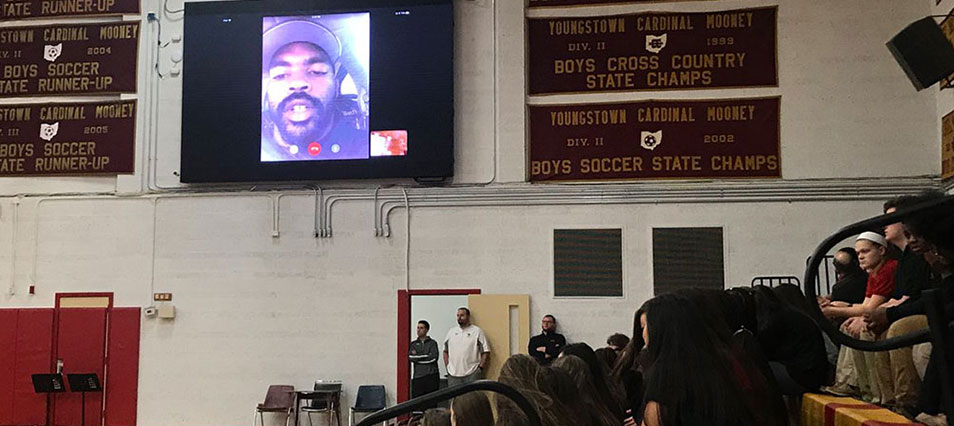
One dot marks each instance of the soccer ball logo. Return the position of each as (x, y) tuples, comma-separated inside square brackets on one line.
[(650, 140), (655, 44), (52, 51), (48, 131)]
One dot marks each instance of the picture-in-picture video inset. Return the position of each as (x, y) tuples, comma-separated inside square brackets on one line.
[(315, 87)]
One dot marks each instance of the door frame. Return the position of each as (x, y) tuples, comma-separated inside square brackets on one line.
[(404, 330), (56, 321), (55, 344)]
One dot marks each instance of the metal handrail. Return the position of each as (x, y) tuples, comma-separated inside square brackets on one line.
[(772, 279), (431, 399), (811, 273)]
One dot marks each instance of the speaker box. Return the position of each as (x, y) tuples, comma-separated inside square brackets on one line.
[(924, 52)]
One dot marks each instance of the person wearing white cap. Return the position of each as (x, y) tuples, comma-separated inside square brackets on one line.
[(872, 249), (853, 369), (303, 115)]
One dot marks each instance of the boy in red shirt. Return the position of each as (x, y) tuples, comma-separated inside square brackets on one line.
[(853, 375)]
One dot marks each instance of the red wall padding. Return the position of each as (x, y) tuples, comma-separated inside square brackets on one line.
[(81, 344), (8, 362), (34, 355), (122, 367)]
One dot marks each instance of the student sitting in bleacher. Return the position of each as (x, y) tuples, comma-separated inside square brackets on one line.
[(854, 374), (934, 230), (894, 370)]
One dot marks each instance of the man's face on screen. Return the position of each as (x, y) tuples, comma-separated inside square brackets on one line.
[(301, 88)]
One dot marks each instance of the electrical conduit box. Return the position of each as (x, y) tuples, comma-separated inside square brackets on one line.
[(167, 311)]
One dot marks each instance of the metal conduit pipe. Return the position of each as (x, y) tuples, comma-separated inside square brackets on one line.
[(147, 117), (36, 223), (153, 199), (843, 189), (393, 206), (811, 272), (276, 215), (273, 201), (612, 196), (15, 220), (377, 229), (319, 198), (326, 229)]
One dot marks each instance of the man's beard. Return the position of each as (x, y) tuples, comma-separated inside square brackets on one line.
[(299, 132)]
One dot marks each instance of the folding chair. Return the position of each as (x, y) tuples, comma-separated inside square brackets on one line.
[(324, 399), (280, 398), (370, 398)]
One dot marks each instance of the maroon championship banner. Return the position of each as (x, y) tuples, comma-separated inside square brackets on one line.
[(947, 146), (653, 51), (67, 139), (23, 9), (731, 138), (561, 3), (69, 59)]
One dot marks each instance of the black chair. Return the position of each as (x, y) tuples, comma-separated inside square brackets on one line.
[(325, 398), (370, 398)]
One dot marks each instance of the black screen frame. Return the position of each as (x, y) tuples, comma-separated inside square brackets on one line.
[(411, 88)]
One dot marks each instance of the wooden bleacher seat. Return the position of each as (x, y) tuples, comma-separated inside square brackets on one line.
[(827, 410)]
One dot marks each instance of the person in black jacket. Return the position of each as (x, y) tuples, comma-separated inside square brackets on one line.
[(933, 230), (423, 355), (895, 370), (546, 346)]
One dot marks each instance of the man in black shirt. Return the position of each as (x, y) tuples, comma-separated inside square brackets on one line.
[(850, 287), (895, 370), (910, 270), (546, 346), (423, 355)]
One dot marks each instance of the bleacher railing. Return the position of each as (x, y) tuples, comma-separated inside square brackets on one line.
[(828, 265), (775, 280), (431, 399), (939, 331)]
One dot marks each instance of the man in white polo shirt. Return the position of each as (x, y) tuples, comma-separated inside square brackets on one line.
[(466, 350)]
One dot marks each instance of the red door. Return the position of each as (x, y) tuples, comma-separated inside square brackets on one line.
[(28, 338), (81, 347)]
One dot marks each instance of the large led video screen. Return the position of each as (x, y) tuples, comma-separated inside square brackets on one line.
[(302, 91)]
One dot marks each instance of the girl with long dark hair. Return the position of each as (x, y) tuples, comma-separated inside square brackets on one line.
[(694, 377), (607, 390), (596, 410)]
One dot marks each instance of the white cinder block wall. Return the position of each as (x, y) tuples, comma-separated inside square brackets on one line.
[(254, 309)]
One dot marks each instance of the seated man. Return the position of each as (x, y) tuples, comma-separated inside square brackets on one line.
[(895, 370), (852, 280), (932, 233), (849, 289), (854, 365)]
